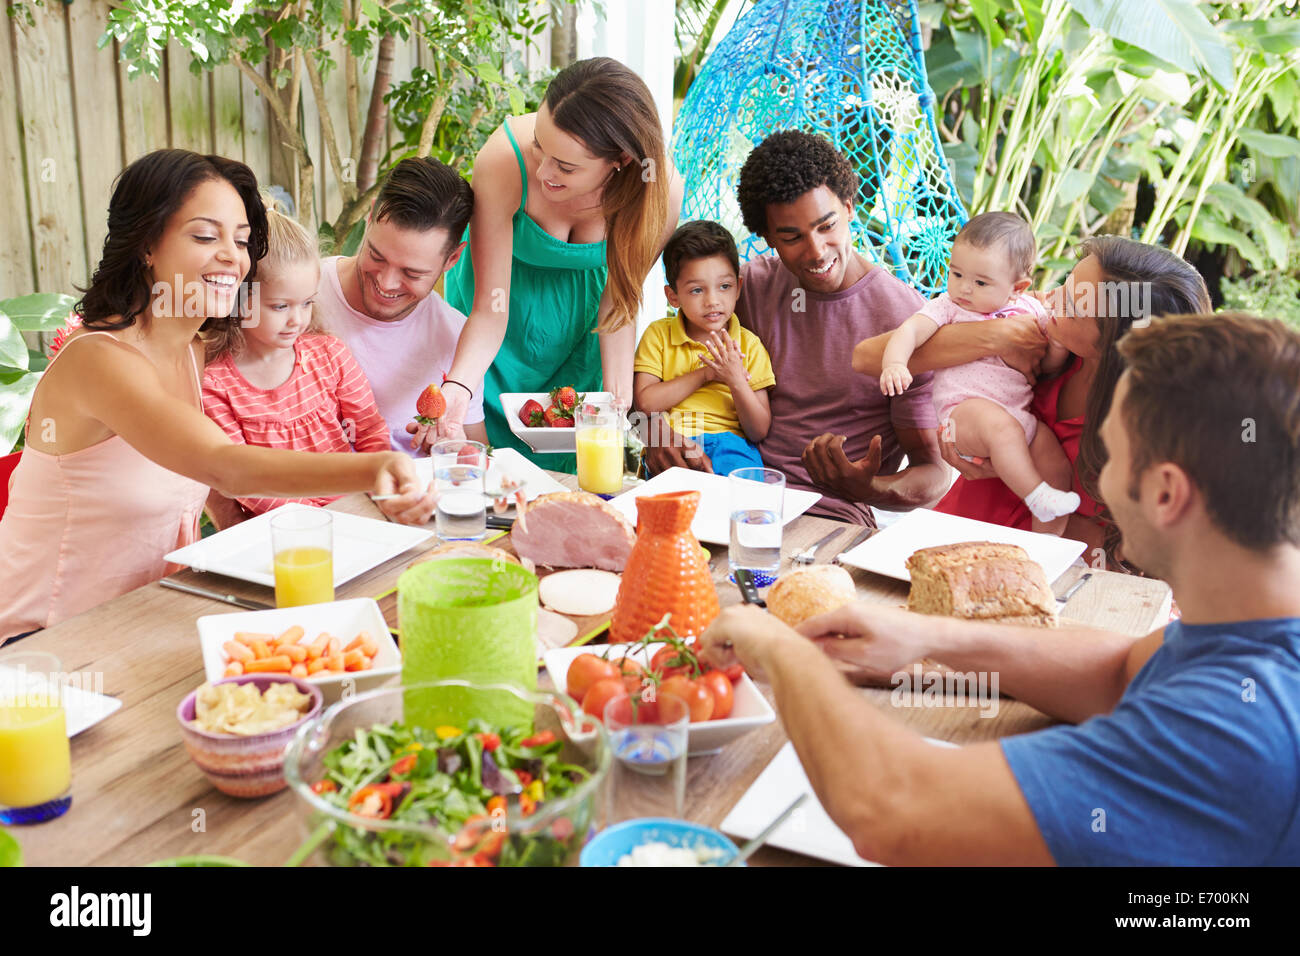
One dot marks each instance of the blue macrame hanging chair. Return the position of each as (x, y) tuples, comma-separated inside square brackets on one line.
[(851, 70)]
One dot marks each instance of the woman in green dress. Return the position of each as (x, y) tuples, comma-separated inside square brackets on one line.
[(572, 206)]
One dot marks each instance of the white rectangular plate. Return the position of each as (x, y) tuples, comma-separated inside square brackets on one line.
[(886, 552), (82, 708), (748, 710), (551, 440), (809, 830), (505, 463), (343, 619), (713, 518), (244, 551)]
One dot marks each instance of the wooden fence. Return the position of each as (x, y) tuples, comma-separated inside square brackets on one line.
[(70, 121)]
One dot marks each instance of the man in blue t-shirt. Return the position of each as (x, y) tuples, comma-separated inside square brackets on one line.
[(1187, 744)]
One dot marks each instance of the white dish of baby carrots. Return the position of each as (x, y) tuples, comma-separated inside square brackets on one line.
[(336, 646)]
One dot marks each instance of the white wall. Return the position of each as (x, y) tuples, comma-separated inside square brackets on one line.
[(640, 34)]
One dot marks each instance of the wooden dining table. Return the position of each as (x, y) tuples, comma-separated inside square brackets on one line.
[(137, 797)]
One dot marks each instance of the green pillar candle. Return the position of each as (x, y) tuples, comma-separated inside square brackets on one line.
[(471, 619)]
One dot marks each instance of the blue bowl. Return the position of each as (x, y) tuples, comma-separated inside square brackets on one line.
[(616, 842)]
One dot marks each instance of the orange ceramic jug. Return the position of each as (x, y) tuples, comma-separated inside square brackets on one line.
[(667, 572)]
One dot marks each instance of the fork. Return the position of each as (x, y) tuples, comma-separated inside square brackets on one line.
[(808, 554)]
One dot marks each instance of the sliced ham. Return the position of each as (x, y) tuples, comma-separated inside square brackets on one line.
[(573, 529), (554, 630)]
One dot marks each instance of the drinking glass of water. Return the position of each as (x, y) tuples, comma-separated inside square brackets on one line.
[(459, 476), (647, 777), (757, 502)]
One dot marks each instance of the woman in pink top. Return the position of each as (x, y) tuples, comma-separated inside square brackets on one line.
[(118, 451), (279, 381)]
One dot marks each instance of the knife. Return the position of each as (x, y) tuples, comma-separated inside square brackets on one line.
[(1070, 591), (861, 536), (748, 593), (217, 596), (500, 522), (825, 541)]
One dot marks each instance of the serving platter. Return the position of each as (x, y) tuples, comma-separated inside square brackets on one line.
[(712, 521), (244, 550), (749, 711), (82, 708), (886, 552), (809, 830)]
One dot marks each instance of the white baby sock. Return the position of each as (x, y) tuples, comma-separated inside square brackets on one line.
[(1046, 502)]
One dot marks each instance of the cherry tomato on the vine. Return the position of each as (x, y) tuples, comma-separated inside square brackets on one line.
[(600, 694), (660, 662), (698, 698), (632, 674), (720, 688), (585, 671)]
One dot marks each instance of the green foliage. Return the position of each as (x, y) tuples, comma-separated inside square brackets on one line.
[(477, 74), (1274, 294), (694, 26), (1066, 110), (20, 366), (470, 114)]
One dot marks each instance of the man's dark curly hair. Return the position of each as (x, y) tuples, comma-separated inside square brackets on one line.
[(785, 166)]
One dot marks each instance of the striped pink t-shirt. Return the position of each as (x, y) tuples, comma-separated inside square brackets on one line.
[(325, 406)]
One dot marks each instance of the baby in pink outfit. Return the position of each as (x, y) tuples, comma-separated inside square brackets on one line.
[(984, 405)]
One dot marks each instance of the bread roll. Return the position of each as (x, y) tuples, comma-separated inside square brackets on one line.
[(981, 580), (806, 592)]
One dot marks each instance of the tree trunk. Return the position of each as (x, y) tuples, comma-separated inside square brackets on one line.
[(564, 38), (1120, 221), (376, 116), (432, 120), (354, 94), (346, 187)]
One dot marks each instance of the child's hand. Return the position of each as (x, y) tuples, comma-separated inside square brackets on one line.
[(894, 379), (396, 475), (725, 360)]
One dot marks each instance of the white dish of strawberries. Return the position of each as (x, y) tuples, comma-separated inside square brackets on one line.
[(551, 414)]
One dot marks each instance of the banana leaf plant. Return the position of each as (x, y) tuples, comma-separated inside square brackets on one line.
[(20, 365)]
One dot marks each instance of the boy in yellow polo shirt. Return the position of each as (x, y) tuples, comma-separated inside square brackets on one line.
[(700, 365)]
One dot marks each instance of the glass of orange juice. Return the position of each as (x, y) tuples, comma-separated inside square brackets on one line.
[(599, 438), (35, 757), (302, 545)]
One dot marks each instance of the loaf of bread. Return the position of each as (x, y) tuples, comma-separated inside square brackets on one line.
[(806, 592), (981, 580)]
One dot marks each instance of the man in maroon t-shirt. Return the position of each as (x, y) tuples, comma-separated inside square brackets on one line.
[(832, 429)]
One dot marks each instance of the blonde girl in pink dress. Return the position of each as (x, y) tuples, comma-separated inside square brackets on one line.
[(984, 407), (279, 380), (118, 453)]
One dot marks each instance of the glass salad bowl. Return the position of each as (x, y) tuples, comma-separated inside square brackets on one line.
[(386, 778)]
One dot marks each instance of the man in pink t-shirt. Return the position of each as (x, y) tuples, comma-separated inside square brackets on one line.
[(832, 429), (382, 304)]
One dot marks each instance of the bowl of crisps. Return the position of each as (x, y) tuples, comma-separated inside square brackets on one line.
[(236, 730)]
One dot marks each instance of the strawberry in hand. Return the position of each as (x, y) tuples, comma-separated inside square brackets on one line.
[(531, 414), (430, 406)]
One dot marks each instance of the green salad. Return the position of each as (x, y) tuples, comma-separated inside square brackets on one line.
[(479, 794)]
